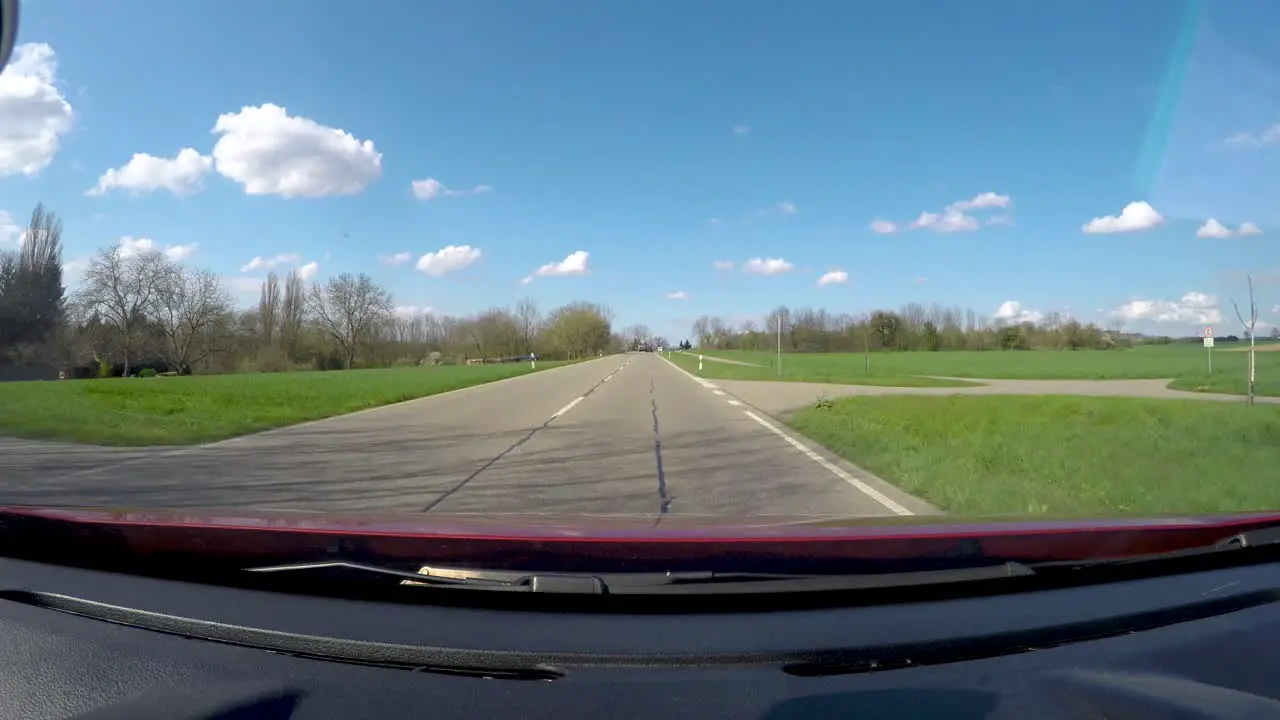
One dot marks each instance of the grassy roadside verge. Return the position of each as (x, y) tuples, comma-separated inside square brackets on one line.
[(1267, 383), (840, 374), (1059, 456), (1186, 365), (189, 410)]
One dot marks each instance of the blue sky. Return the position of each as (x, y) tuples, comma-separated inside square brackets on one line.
[(661, 138)]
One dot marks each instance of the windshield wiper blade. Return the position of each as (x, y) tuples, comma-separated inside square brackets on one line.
[(1267, 539), (696, 582), (420, 578)]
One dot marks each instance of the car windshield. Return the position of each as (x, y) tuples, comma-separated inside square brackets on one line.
[(577, 265)]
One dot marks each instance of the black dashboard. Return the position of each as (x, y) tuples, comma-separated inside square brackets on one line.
[(81, 643)]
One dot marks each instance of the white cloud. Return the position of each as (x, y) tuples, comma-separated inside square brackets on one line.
[(778, 208), (1012, 311), (270, 152), (266, 263), (180, 175), (430, 189), (395, 260), (8, 228), (741, 130), (722, 265), (981, 201), (955, 217), (35, 114), (246, 289), (834, 277), (308, 271), (949, 221), (178, 253), (1194, 307), (1134, 217), (1214, 229), (574, 264), (678, 295), (131, 246), (713, 221), (72, 270), (410, 311), (448, 259), (1247, 140), (766, 266)]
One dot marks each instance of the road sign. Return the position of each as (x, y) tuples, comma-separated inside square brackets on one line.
[(1208, 342), (1208, 331)]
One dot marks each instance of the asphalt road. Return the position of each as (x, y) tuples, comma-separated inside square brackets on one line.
[(621, 435)]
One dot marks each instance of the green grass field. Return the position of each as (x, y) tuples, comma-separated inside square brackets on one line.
[(1186, 365), (187, 410), (1060, 456)]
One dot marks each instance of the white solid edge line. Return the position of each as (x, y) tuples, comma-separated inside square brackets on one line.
[(837, 471), (691, 376), (568, 407), (864, 488)]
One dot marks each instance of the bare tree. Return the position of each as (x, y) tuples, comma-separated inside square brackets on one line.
[(187, 305), (292, 310), (530, 319), (120, 289), (348, 308), (1250, 327), (269, 309)]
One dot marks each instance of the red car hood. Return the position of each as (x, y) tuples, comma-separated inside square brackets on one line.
[(254, 534)]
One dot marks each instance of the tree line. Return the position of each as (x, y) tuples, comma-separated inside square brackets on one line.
[(913, 327), (139, 311)]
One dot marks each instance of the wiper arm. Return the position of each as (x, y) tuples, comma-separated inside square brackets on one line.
[(1252, 540), (668, 583)]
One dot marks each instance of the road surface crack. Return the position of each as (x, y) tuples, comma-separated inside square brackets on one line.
[(664, 500), (521, 441)]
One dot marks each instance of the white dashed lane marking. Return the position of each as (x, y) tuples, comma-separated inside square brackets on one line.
[(568, 407)]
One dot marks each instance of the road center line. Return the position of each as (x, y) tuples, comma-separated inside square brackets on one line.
[(835, 470), (568, 407)]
